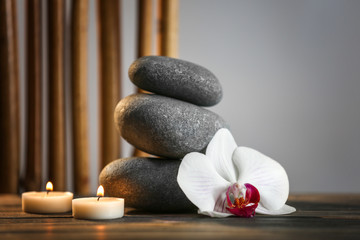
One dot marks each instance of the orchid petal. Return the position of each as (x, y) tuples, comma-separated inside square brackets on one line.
[(267, 175), (200, 182), (252, 194), (221, 203), (286, 209), (220, 151), (247, 212), (215, 214)]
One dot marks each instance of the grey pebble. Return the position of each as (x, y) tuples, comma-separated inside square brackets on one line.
[(145, 183), (177, 79), (164, 126)]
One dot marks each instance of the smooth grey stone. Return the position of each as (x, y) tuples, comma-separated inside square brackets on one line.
[(177, 79), (145, 183), (165, 126)]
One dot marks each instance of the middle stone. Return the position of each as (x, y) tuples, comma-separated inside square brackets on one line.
[(164, 126)]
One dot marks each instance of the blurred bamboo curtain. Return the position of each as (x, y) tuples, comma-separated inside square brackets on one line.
[(33, 76), (79, 34), (9, 99), (109, 76), (56, 97), (46, 65)]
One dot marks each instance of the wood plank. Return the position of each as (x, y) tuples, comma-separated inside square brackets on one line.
[(79, 34), (9, 99), (168, 30), (33, 175), (317, 217), (109, 78), (56, 110), (327, 198), (9, 199)]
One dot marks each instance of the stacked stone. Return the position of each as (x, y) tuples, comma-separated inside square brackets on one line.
[(169, 123)]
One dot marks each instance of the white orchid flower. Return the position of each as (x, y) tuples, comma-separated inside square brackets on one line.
[(234, 180)]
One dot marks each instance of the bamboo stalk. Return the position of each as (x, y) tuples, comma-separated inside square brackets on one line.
[(145, 28), (79, 33), (34, 115), (144, 43), (56, 110), (9, 99), (109, 71), (168, 28), (167, 35)]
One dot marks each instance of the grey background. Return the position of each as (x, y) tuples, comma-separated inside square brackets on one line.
[(290, 72)]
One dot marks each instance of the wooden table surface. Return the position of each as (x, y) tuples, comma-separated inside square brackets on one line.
[(325, 216)]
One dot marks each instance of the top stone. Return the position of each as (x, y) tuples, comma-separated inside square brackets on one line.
[(176, 78)]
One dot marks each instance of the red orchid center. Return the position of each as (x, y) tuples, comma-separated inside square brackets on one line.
[(242, 200)]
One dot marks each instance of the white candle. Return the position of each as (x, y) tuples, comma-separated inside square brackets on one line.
[(46, 202), (98, 208), (92, 208)]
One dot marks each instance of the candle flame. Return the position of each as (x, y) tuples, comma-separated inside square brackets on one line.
[(100, 191), (49, 186)]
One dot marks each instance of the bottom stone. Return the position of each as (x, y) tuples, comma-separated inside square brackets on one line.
[(146, 183)]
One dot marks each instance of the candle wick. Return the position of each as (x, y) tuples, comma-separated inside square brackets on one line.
[(47, 192), (99, 198)]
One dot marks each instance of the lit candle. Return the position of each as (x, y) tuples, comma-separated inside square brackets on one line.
[(46, 202), (97, 208)]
